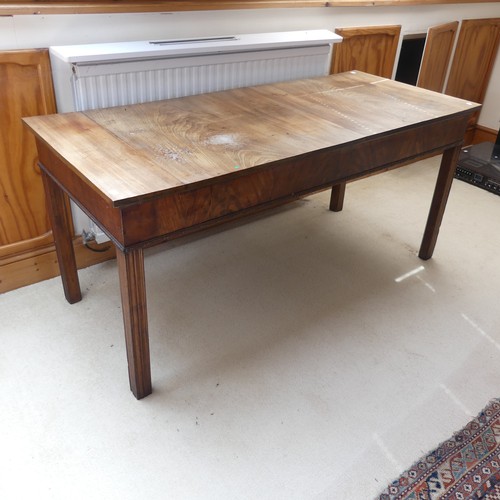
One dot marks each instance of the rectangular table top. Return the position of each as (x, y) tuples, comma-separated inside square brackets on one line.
[(131, 154)]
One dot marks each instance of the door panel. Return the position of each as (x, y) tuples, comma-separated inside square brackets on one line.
[(436, 57), (371, 49), (25, 90), (472, 64), (475, 54)]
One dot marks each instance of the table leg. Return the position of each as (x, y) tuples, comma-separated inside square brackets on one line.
[(60, 220), (438, 205), (133, 293), (337, 197)]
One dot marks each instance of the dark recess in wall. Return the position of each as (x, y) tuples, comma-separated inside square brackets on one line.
[(410, 58)]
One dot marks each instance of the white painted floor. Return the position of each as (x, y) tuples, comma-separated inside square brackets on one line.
[(303, 354)]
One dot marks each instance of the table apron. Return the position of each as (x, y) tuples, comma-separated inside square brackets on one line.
[(182, 212), (97, 207)]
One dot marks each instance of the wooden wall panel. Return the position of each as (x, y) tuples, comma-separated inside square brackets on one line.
[(475, 54), (436, 57), (25, 90), (371, 49)]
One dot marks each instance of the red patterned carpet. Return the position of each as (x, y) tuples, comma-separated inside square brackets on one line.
[(467, 466)]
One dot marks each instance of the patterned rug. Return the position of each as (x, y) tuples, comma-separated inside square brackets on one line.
[(467, 466)]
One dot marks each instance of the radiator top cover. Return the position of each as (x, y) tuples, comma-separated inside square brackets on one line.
[(123, 51)]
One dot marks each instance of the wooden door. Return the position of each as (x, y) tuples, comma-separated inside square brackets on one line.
[(436, 57), (371, 49)]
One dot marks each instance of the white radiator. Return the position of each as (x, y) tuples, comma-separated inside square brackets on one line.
[(115, 74)]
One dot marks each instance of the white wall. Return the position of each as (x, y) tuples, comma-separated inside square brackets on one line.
[(18, 32), (490, 114)]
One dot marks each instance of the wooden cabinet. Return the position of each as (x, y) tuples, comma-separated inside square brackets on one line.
[(371, 49), (26, 246)]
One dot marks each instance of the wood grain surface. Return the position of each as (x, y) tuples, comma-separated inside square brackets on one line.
[(366, 48), (134, 153), (436, 56), (41, 7), (25, 90)]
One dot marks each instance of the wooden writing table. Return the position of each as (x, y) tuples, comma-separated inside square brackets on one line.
[(151, 172)]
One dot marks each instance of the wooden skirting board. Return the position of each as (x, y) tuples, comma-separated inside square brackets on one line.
[(33, 266), (484, 134)]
